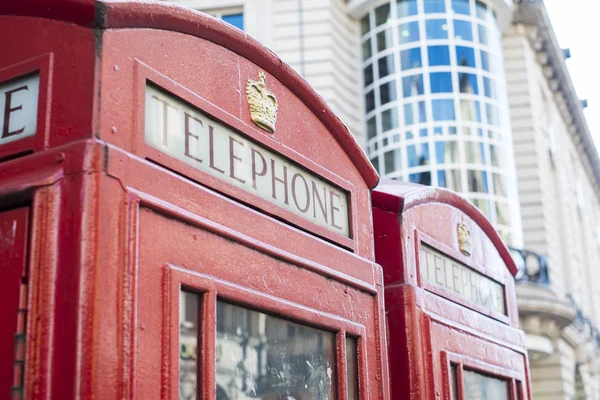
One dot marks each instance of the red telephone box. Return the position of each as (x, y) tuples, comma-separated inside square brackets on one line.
[(187, 217), (450, 298)]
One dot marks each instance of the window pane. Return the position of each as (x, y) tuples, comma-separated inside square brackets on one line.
[(453, 382), (382, 14), (375, 162), (366, 49), (386, 66), (485, 60), (436, 29), (368, 74), (467, 83), (450, 179), (479, 386), (236, 20), (365, 25), (392, 161), (498, 156), (469, 110), (465, 56), (481, 9), (463, 30), (443, 110), (446, 152), (272, 357), (410, 58), (434, 6), (500, 185), (414, 113), (409, 32), (371, 128), (461, 7), (423, 178), (406, 8), (474, 152), (483, 35), (370, 101), (389, 119), (483, 205), (489, 88), (417, 155), (188, 345), (387, 92), (438, 55), (441, 82), (477, 181), (492, 114), (412, 85), (352, 368), (384, 40)]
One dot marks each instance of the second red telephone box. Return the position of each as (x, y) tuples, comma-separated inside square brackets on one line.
[(450, 298)]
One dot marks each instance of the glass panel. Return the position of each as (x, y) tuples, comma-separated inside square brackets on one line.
[(438, 55), (483, 35), (371, 128), (483, 387), (461, 7), (492, 114), (417, 155), (489, 88), (481, 9), (469, 110), (446, 152), (463, 30), (483, 205), (467, 83), (453, 382), (477, 181), (414, 113), (424, 178), (365, 25), (384, 40), (375, 162), (188, 345), (386, 66), (498, 156), (236, 20), (434, 6), (261, 356), (387, 92), (389, 119), (406, 8), (485, 60), (443, 110), (441, 82), (409, 32), (474, 152), (392, 161), (500, 185), (465, 56), (410, 58), (368, 74), (436, 29), (352, 368), (450, 179), (382, 14), (412, 85), (366, 49)]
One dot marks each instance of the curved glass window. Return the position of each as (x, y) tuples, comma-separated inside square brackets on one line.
[(438, 55), (382, 14), (461, 7), (417, 155), (411, 58), (443, 110), (500, 185), (370, 101), (392, 161), (407, 8), (485, 60), (365, 25), (446, 152), (450, 179), (481, 9), (387, 92), (389, 119), (434, 6), (489, 88), (465, 56), (408, 32), (384, 40), (436, 29), (474, 152), (463, 30), (501, 213), (412, 85), (414, 113), (467, 83), (371, 128), (441, 82), (423, 178), (483, 34), (492, 114), (368, 74), (386, 65), (366, 49), (477, 181), (469, 110)]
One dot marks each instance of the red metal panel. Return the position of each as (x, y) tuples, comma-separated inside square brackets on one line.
[(13, 258)]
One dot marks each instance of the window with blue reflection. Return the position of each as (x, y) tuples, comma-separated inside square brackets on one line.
[(387, 92), (489, 88), (408, 32), (446, 152), (443, 110), (438, 55), (483, 35), (423, 132), (365, 25), (368, 74), (417, 155), (412, 85), (406, 8), (436, 29), (491, 112), (386, 65), (461, 7), (370, 101), (382, 14), (477, 181), (236, 20), (463, 30), (441, 82), (423, 178), (411, 58), (389, 119), (470, 111), (366, 49), (485, 60), (481, 9), (371, 128), (450, 179), (434, 6), (384, 40), (467, 83), (474, 152), (414, 113), (465, 56)]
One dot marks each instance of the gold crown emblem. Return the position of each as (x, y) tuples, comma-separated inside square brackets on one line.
[(464, 238), (262, 102)]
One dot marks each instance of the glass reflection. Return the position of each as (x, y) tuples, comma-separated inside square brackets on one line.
[(389, 119), (365, 25), (387, 92), (368, 74), (417, 155), (414, 113), (366, 49), (410, 58), (483, 35), (450, 179), (446, 152), (465, 56), (370, 101), (434, 6), (408, 32), (371, 128), (384, 40), (474, 152), (481, 10), (188, 345), (443, 110), (441, 82), (477, 181), (406, 8), (436, 29), (352, 368), (438, 55), (392, 161), (412, 85), (386, 66), (489, 88), (483, 205), (261, 356), (500, 185), (463, 30), (423, 178), (461, 7), (467, 83), (382, 14), (469, 110), (453, 382), (483, 387)]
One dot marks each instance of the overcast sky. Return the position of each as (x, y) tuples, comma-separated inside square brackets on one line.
[(577, 27)]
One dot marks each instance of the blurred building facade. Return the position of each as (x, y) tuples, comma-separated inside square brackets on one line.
[(474, 96)]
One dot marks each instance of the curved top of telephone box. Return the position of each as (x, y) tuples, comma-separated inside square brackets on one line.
[(399, 197)]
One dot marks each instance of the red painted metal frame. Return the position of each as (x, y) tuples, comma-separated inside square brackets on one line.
[(42, 65)]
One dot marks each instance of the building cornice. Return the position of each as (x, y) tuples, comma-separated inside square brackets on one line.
[(551, 56)]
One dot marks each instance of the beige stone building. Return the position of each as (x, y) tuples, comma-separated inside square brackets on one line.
[(474, 96)]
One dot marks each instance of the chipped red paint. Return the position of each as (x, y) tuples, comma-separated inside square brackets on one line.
[(117, 228), (431, 328)]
